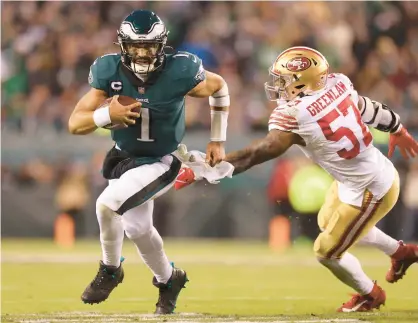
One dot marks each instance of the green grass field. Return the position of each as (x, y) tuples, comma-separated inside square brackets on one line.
[(230, 281)]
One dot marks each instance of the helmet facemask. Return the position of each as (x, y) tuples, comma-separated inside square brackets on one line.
[(142, 37), (142, 57), (282, 87)]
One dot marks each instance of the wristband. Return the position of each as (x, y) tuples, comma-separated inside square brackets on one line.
[(101, 117), (219, 124)]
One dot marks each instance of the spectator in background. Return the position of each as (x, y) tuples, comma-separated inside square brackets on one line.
[(73, 194), (47, 48), (410, 199)]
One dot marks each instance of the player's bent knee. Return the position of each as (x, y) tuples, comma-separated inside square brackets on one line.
[(135, 233), (320, 248), (105, 202), (328, 247), (102, 209), (146, 241)]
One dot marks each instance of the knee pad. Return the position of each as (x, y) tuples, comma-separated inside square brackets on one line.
[(103, 211), (323, 248), (147, 241), (321, 253), (110, 223), (319, 247), (106, 200), (138, 221)]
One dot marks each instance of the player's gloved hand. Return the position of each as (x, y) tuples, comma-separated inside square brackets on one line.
[(120, 114), (185, 177), (406, 143), (215, 152)]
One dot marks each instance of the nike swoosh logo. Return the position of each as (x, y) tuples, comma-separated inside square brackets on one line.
[(400, 271), (355, 308)]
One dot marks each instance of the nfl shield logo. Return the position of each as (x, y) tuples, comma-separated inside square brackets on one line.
[(141, 90)]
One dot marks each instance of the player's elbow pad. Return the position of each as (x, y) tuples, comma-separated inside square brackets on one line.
[(379, 116)]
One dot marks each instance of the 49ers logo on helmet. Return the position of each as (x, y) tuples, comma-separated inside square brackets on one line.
[(298, 64)]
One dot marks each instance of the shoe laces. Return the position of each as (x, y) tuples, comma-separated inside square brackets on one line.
[(100, 276)]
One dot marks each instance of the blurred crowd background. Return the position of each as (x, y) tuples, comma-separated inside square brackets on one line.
[(48, 47)]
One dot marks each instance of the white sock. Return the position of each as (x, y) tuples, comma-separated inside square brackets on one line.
[(348, 270), (380, 240), (150, 248), (111, 235)]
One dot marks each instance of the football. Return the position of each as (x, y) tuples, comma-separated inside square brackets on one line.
[(124, 100)]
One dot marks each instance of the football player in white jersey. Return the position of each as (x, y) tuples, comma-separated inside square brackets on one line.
[(323, 115)]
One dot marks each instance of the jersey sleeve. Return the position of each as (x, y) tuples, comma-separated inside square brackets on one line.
[(280, 119), (96, 79), (192, 70), (103, 70), (349, 85)]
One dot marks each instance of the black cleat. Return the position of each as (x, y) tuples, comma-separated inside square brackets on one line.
[(107, 278), (170, 291)]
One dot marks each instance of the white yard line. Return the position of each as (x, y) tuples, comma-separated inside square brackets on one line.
[(61, 317), (301, 321), (185, 298), (256, 261), (118, 320), (145, 299)]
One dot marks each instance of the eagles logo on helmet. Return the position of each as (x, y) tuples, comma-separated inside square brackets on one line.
[(142, 37)]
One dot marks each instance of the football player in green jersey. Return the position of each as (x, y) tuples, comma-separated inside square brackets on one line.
[(141, 166)]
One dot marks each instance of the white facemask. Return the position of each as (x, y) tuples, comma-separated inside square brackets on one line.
[(143, 68)]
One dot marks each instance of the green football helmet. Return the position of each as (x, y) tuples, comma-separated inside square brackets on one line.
[(142, 37)]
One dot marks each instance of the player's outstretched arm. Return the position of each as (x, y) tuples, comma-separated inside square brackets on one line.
[(272, 146), (381, 117), (215, 87)]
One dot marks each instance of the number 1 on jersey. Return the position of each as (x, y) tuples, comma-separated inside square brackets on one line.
[(145, 126)]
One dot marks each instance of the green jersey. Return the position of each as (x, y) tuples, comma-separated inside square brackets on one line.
[(161, 126)]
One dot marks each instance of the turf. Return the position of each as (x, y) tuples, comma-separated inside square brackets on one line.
[(230, 281)]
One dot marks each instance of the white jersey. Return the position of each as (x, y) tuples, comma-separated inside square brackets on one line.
[(337, 139)]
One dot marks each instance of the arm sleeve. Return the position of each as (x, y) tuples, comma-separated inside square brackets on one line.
[(379, 116), (281, 120)]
